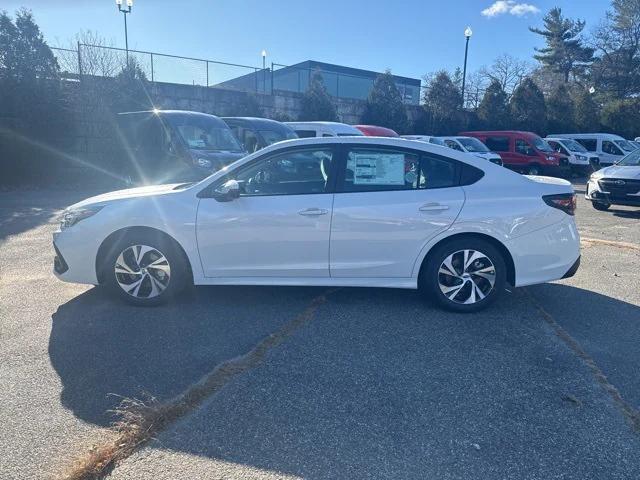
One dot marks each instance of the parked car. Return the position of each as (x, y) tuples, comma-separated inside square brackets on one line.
[(473, 146), (354, 211), (424, 138), (323, 129), (375, 131), (609, 148), (256, 133), (617, 184), (580, 160), (161, 146), (523, 152)]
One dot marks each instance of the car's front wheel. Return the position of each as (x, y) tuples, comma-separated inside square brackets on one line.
[(601, 206), (145, 271), (464, 275)]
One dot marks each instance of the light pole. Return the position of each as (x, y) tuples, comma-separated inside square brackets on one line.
[(467, 34), (125, 11), (264, 70)]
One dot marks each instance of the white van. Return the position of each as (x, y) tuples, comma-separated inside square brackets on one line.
[(609, 148), (424, 138), (324, 129), (473, 146), (580, 159)]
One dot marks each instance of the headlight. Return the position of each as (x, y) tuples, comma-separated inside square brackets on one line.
[(204, 163), (595, 176), (551, 158), (581, 158), (71, 217)]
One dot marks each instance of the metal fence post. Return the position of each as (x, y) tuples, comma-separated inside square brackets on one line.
[(79, 62), (207, 66), (152, 67), (271, 78), (255, 74), (337, 85)]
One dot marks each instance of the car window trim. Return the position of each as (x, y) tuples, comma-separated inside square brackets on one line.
[(207, 192), (341, 164)]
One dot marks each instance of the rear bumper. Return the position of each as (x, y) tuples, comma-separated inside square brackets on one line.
[(574, 268)]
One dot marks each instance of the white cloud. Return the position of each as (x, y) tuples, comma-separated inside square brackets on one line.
[(510, 7)]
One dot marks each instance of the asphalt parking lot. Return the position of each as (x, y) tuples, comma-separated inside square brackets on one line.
[(361, 383)]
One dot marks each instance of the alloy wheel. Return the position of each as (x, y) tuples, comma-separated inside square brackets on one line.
[(142, 271), (466, 276)]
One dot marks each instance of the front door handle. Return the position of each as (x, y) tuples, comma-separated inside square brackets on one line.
[(312, 212), (433, 207)]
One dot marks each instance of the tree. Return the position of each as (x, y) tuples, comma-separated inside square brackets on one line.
[(508, 71), (316, 104), (586, 115), (443, 102), (622, 117), (528, 108), (131, 89), (564, 53), (384, 105), (493, 111), (560, 110), (616, 70), (32, 102)]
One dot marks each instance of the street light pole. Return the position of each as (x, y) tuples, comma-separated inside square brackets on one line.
[(264, 70), (125, 11), (467, 33)]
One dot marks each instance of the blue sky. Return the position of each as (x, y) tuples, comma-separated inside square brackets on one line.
[(410, 37)]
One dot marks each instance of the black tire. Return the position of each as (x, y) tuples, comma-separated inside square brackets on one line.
[(534, 169), (603, 207), (174, 279), (430, 276)]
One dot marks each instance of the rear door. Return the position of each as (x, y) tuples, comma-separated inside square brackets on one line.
[(388, 203)]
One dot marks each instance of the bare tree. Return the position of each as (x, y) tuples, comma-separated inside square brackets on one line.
[(508, 71), (96, 56)]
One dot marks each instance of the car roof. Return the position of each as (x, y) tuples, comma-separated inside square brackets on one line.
[(375, 129), (334, 126), (587, 135), (257, 121), (473, 133)]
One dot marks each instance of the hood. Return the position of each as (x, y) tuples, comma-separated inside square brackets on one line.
[(619, 171), (216, 154), (487, 155), (109, 197)]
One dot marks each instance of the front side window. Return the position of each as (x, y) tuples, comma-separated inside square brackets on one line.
[(371, 170), (453, 144), (297, 172), (524, 148), (497, 144), (610, 148), (306, 133), (591, 144)]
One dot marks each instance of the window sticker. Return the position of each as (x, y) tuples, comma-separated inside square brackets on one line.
[(377, 168)]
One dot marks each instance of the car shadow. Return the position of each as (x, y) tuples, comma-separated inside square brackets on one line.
[(626, 213), (104, 350)]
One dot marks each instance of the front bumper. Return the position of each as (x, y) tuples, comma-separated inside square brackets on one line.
[(75, 256), (594, 193)]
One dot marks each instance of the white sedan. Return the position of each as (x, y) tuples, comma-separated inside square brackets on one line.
[(346, 211)]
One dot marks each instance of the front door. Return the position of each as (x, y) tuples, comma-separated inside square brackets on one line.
[(611, 153), (389, 202), (280, 224)]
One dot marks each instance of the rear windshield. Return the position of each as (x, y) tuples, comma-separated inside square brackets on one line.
[(473, 145), (204, 133)]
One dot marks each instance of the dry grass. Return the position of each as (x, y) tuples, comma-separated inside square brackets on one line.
[(140, 420)]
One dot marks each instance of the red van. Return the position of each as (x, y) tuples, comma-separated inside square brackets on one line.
[(524, 152), (375, 131)]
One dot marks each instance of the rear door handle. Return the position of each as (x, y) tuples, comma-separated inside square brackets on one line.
[(433, 207), (312, 212)]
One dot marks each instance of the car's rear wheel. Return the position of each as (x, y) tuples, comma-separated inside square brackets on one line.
[(601, 206), (145, 271), (464, 275)]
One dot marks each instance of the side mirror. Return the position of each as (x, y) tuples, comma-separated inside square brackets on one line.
[(228, 191)]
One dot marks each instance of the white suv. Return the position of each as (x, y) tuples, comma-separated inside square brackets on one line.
[(340, 212), (618, 184)]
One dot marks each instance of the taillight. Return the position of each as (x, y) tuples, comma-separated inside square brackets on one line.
[(563, 201)]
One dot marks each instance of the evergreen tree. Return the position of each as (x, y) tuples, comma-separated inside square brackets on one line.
[(316, 103), (560, 111), (131, 89), (622, 117), (586, 115), (493, 111), (564, 52), (443, 101), (528, 108), (384, 105)]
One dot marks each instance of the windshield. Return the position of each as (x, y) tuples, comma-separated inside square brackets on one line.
[(624, 145), (204, 133), (631, 160), (574, 146), (272, 136), (541, 145), (473, 145)]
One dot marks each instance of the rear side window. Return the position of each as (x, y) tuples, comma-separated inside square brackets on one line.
[(497, 144), (372, 170), (591, 144), (470, 175), (306, 133)]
